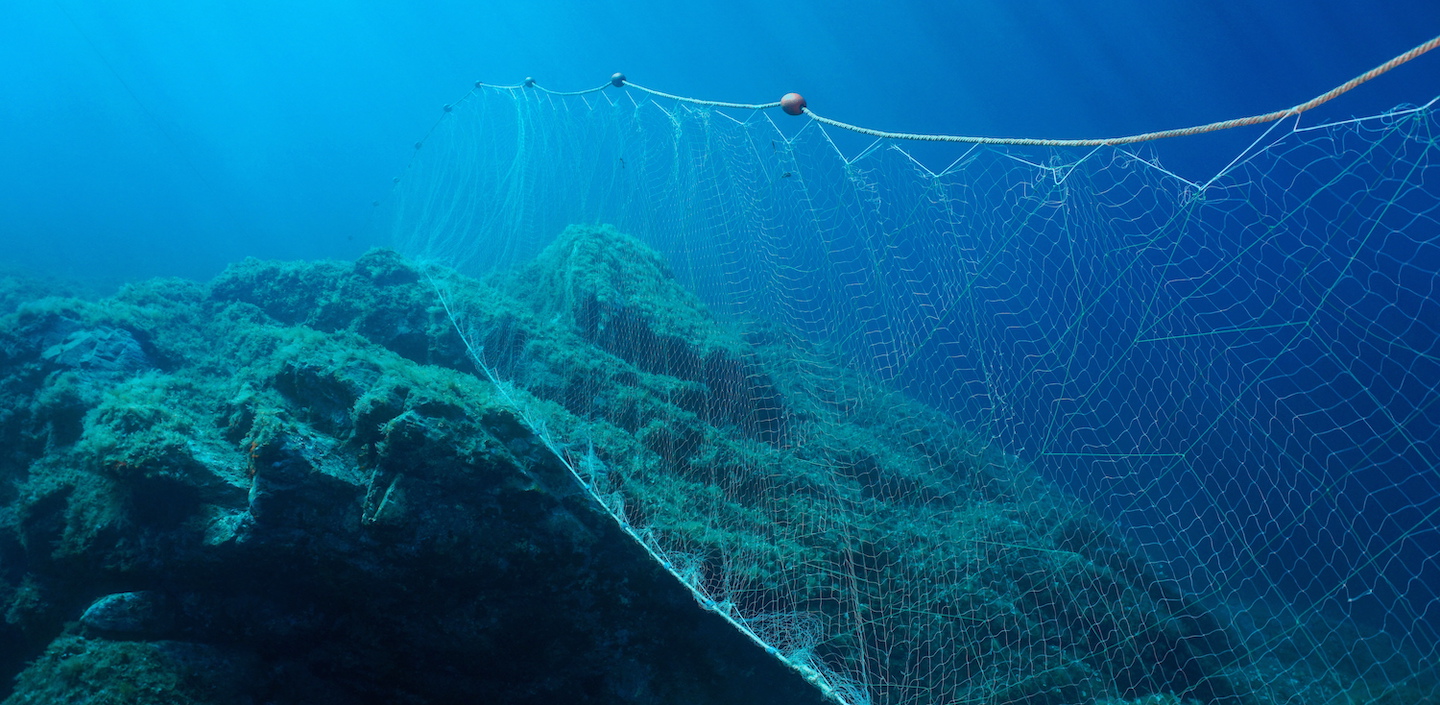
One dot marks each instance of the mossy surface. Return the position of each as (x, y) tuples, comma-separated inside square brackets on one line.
[(335, 503), (300, 461), (78, 671)]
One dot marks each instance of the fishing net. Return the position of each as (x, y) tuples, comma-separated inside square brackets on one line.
[(1049, 425)]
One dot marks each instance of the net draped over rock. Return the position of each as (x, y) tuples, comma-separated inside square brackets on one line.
[(1232, 379)]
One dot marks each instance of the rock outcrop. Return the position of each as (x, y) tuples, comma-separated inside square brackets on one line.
[(294, 484)]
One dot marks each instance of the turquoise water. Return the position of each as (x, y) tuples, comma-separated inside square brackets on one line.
[(171, 138)]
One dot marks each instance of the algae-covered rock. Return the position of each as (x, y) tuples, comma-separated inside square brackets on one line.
[(76, 670), (128, 614), (620, 296), (256, 492), (364, 482)]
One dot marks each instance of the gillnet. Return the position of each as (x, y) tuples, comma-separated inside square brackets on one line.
[(1048, 426)]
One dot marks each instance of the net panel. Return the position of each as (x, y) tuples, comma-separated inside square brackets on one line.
[(1046, 426)]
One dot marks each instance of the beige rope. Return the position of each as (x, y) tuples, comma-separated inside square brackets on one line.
[(1148, 136), (596, 89), (709, 103), (530, 83), (1025, 141)]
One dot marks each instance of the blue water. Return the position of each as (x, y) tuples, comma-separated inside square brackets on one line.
[(172, 138)]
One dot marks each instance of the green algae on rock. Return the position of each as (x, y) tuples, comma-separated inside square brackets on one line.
[(307, 466)]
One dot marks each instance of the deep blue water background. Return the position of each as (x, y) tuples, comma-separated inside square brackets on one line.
[(173, 137)]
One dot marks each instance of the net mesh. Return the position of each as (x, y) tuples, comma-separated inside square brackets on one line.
[(1045, 426)]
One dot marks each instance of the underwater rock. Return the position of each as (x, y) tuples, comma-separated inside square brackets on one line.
[(128, 614), (304, 481), (103, 349), (301, 503), (76, 670), (621, 296)]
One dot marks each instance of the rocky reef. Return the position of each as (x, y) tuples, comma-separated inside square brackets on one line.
[(325, 483)]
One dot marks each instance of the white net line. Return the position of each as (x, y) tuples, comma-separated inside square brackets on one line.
[(1239, 376)]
